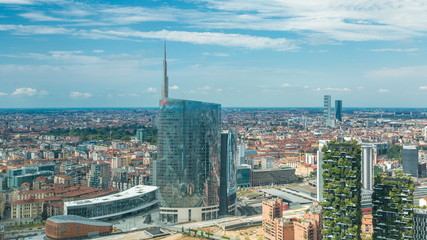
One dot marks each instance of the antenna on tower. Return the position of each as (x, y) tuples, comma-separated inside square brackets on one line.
[(165, 85)]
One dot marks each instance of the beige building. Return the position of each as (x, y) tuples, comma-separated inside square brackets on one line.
[(63, 179), (278, 228), (28, 208)]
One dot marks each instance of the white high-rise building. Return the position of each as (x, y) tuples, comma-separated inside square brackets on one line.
[(368, 158), (322, 143)]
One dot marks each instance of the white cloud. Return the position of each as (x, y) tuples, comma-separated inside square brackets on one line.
[(128, 95), (23, 2), (411, 71), (174, 87), (39, 17), (383, 90), (214, 38), (396, 50), (333, 89), (151, 90), (98, 51), (219, 90), (216, 54), (75, 94), (360, 20), (423, 88), (3, 94), (24, 92), (306, 87), (34, 29), (285, 85), (206, 88)]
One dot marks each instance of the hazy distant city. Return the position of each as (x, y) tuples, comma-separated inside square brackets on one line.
[(213, 119)]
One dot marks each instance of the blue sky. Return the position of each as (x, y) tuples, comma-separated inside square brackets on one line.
[(250, 53)]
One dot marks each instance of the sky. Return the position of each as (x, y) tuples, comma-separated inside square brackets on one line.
[(239, 53)]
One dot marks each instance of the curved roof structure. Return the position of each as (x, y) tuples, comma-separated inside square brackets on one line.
[(78, 219)]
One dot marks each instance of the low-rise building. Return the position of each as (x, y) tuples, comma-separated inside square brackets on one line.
[(28, 208)]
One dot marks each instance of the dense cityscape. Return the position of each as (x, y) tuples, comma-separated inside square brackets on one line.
[(195, 170), (213, 119)]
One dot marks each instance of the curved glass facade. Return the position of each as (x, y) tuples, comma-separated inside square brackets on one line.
[(187, 169), (134, 200)]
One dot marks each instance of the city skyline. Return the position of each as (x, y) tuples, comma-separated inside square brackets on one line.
[(240, 54)]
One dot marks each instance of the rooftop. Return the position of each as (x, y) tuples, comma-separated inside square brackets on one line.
[(78, 219), (132, 192)]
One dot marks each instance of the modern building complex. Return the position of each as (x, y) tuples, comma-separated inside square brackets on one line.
[(16, 177), (228, 181), (188, 162), (135, 200), (392, 211), (410, 160), (342, 215), (338, 110), (75, 227)]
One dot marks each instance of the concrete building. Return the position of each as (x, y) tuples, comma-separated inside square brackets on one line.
[(278, 228), (99, 175), (28, 208), (410, 160)]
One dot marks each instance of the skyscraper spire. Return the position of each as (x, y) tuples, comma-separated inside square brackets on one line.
[(165, 85)]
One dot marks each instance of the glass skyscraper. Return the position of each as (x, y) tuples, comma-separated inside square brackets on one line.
[(188, 162)]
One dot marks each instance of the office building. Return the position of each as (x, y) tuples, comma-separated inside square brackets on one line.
[(410, 160), (243, 175), (28, 174), (99, 175), (141, 135), (228, 182), (368, 156), (322, 144), (138, 199), (327, 117), (338, 110), (420, 224), (392, 210), (188, 163), (342, 215)]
